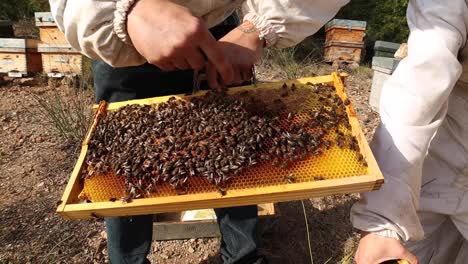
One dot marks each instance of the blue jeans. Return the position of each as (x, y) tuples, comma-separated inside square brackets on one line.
[(129, 238)]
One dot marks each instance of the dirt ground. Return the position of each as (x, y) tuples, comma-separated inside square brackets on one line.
[(35, 165)]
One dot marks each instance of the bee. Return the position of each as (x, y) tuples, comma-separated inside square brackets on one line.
[(284, 165), (94, 215), (275, 162), (126, 199), (360, 157), (327, 144), (290, 178), (221, 191), (293, 87)]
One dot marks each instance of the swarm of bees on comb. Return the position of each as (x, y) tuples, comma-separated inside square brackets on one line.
[(215, 136)]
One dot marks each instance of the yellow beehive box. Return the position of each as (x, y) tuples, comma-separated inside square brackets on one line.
[(59, 60), (341, 51), (48, 30), (18, 57)]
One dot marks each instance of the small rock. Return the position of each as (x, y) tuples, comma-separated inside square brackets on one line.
[(104, 235), (25, 81), (8, 78), (191, 250), (40, 184), (164, 256), (38, 139), (192, 240), (353, 66)]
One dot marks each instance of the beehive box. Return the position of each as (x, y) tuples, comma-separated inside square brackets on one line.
[(385, 49), (383, 68), (59, 60), (337, 170), (199, 223), (342, 30), (48, 30), (18, 57), (340, 51)]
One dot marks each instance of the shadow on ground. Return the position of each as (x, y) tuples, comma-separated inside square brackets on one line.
[(283, 239)]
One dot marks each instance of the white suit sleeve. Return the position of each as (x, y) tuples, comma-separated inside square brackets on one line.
[(286, 23), (413, 105), (97, 29)]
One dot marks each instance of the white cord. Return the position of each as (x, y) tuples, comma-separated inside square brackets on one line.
[(307, 229)]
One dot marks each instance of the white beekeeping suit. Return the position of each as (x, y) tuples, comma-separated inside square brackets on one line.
[(98, 30), (422, 143)]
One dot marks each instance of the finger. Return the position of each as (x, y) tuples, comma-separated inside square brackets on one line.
[(196, 60), (180, 63), (214, 54), (237, 76), (246, 74), (212, 76)]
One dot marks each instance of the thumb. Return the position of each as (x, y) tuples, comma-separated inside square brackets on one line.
[(401, 256), (408, 258)]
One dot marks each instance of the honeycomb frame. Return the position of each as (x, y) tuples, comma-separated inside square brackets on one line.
[(252, 187)]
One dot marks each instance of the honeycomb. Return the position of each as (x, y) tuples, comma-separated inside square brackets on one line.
[(334, 163)]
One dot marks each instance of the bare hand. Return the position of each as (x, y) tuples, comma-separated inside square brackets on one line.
[(375, 249), (170, 37), (241, 50)]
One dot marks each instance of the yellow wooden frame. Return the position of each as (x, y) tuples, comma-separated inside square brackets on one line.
[(70, 208)]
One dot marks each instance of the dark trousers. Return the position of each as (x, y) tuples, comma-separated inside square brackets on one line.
[(129, 238)]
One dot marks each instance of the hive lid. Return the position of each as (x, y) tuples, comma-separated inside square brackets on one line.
[(54, 48), (386, 46), (44, 19), (345, 44), (17, 44), (351, 24)]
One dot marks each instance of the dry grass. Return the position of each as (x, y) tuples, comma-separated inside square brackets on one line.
[(68, 110), (302, 60)]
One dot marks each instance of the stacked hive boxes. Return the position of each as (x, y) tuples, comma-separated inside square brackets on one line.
[(58, 57), (18, 57), (344, 40), (383, 64)]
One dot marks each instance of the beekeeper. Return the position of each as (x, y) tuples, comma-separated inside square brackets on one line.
[(145, 48), (422, 146)]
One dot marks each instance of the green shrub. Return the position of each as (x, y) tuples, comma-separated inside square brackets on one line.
[(20, 9), (386, 19)]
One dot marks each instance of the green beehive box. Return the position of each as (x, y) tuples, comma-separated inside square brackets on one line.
[(385, 49)]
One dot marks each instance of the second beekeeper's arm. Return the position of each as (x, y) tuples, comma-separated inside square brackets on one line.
[(278, 24), (285, 23), (413, 105)]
